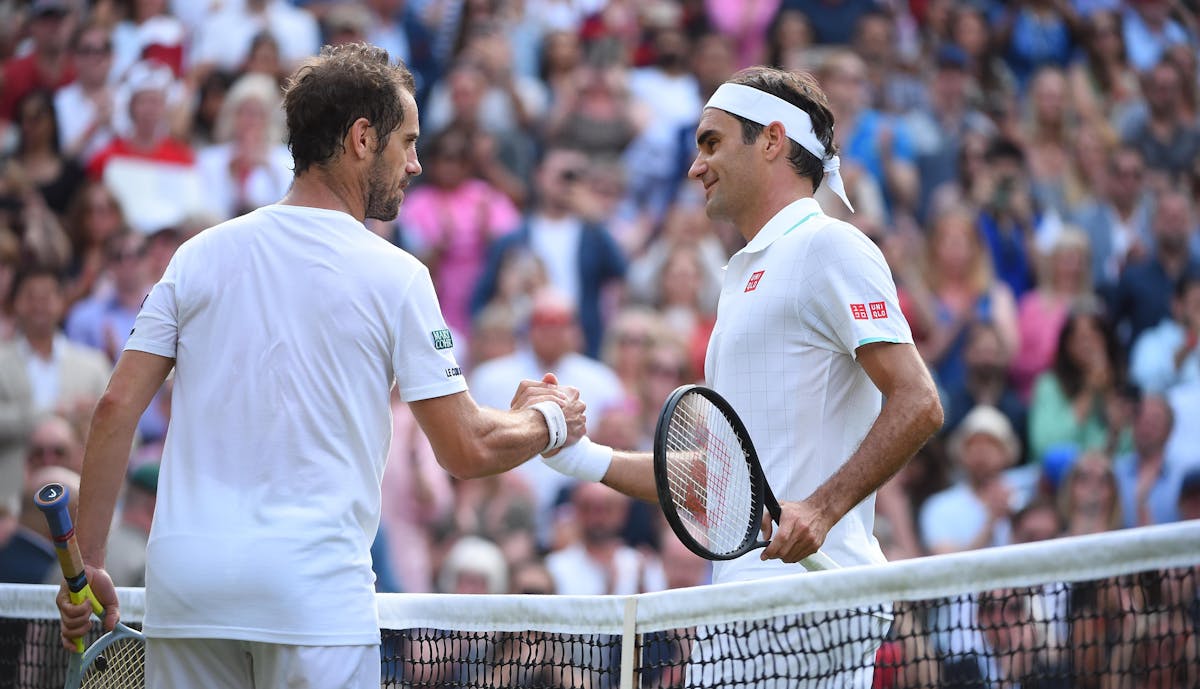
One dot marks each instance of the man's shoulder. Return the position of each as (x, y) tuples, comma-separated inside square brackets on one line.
[(832, 241), (948, 499), (569, 557), (81, 355), (1166, 334), (69, 94), (1136, 273), (12, 365)]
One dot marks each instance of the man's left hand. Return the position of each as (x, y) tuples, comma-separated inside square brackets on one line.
[(801, 532)]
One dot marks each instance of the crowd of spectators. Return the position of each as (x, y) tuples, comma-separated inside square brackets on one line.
[(1029, 168)]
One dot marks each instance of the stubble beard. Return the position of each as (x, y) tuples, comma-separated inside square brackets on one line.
[(383, 200)]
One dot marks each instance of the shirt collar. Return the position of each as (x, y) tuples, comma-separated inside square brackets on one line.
[(56, 348), (787, 219)]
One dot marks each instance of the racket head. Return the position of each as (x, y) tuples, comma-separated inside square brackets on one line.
[(115, 661), (707, 474)]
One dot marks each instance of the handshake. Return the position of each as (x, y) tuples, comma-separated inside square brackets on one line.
[(569, 450)]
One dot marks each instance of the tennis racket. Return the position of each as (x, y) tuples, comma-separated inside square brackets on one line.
[(117, 659), (709, 481)]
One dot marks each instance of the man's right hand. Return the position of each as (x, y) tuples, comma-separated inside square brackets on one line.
[(76, 619), (530, 392)]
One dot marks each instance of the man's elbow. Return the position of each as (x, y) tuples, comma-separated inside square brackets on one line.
[(466, 461), (932, 416), (113, 406)]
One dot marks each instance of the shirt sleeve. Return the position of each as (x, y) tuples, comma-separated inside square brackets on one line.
[(156, 328), (423, 347), (1152, 364), (852, 299)]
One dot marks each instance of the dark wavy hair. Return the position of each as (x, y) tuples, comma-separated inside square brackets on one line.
[(1066, 369), (801, 90), (326, 95)]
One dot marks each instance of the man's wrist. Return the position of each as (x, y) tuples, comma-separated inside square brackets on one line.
[(556, 424), (585, 460)]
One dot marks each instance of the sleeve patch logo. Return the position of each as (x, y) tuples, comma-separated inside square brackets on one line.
[(442, 339), (753, 284), (452, 372), (859, 311), (878, 309)]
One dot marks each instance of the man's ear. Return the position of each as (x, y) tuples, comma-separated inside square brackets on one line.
[(360, 139), (775, 141)]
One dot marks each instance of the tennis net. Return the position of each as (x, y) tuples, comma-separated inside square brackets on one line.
[(1109, 611)]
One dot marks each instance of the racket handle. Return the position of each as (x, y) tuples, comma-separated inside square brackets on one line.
[(819, 561), (54, 500)]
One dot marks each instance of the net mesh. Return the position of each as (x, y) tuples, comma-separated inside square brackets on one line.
[(708, 476), (1105, 612)]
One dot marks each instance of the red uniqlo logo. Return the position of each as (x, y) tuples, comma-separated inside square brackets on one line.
[(878, 309), (753, 284), (859, 311)]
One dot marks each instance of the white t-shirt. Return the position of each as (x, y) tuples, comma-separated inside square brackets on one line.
[(796, 304), (576, 574), (225, 36), (556, 242), (288, 326), (75, 112), (223, 194)]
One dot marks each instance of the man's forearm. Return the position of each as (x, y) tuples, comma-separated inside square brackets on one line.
[(905, 423), (508, 439), (105, 460), (632, 473)]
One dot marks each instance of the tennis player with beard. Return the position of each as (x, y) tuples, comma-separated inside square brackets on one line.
[(286, 328), (809, 341)]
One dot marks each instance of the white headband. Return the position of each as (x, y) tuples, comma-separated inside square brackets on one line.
[(763, 108)]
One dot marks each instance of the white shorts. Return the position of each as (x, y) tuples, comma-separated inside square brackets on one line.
[(225, 664), (811, 651)]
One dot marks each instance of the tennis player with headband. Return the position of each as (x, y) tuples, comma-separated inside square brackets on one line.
[(809, 341)]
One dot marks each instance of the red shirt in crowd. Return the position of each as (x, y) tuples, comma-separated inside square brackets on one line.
[(22, 77), (167, 150)]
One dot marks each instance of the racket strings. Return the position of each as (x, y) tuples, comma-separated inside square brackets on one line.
[(708, 476), (120, 666)]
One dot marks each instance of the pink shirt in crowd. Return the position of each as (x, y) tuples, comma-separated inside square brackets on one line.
[(464, 220), (416, 493), (1039, 321), (746, 23)]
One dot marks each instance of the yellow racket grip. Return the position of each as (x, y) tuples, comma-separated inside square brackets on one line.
[(77, 597)]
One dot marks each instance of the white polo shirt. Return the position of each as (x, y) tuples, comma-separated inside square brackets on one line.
[(288, 326), (796, 304)]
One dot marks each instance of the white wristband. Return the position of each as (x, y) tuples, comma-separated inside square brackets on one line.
[(556, 423), (584, 460)]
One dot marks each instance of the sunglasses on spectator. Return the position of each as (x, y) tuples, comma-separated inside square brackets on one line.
[(57, 451)]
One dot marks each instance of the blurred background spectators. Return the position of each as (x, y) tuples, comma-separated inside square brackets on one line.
[(1030, 169)]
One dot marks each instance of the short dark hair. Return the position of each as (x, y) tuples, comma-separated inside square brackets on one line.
[(1004, 149), (801, 90), (34, 269), (326, 95)]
